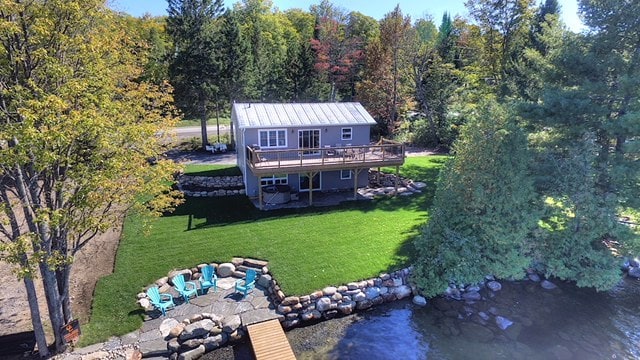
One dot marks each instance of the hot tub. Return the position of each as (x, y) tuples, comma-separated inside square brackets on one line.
[(276, 194)]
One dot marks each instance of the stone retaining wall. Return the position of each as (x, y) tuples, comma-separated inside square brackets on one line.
[(341, 300), (210, 186), (205, 332)]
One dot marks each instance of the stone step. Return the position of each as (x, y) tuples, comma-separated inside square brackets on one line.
[(154, 348), (258, 316), (256, 264)]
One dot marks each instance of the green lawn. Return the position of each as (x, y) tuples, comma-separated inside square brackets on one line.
[(307, 249), (211, 170)]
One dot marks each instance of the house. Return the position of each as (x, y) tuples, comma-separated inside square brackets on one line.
[(309, 147)]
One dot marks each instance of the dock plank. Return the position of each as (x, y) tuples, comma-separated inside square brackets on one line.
[(269, 341)]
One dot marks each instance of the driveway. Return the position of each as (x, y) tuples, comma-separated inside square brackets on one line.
[(188, 132)]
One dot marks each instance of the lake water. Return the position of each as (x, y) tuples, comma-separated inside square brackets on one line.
[(564, 323)]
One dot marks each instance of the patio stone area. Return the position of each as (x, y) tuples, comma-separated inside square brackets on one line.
[(148, 340)]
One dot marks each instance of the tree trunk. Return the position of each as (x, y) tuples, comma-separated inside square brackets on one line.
[(203, 125), (62, 275), (54, 304), (36, 320)]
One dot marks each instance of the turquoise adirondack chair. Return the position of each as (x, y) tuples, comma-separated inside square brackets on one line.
[(208, 279), (185, 288), (159, 300), (247, 284)]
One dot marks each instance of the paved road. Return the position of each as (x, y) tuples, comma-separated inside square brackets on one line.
[(194, 131)]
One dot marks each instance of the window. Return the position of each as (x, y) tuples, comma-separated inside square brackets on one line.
[(273, 138), (278, 179), (346, 133), (345, 174)]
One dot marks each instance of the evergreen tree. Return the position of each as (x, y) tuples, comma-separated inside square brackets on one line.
[(586, 125), (196, 68), (483, 209)]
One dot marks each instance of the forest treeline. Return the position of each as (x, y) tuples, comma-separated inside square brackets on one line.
[(543, 121), (419, 78)]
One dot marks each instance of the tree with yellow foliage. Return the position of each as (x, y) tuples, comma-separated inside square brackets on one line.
[(78, 132)]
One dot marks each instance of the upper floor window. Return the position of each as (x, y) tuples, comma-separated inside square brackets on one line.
[(273, 138), (346, 134)]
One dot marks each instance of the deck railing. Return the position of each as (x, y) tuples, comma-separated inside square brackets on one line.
[(386, 153)]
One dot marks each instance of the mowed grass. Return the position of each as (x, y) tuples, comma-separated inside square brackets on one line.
[(307, 249), (211, 170)]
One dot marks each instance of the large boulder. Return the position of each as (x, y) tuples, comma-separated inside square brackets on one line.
[(186, 273), (503, 323), (420, 300), (231, 323), (213, 342), (402, 292), (546, 284), (329, 291), (372, 293), (264, 280), (192, 354), (634, 272), (323, 304), (166, 326), (225, 270), (494, 285), (197, 329), (472, 296)]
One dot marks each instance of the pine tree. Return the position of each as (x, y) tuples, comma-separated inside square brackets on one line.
[(196, 67), (483, 209)]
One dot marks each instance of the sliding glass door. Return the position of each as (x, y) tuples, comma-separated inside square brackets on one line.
[(309, 139)]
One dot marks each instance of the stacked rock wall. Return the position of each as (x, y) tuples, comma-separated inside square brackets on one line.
[(339, 300), (204, 332), (210, 186)]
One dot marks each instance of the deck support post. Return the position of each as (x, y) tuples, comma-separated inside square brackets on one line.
[(355, 182), (260, 193), (310, 176), (397, 179)]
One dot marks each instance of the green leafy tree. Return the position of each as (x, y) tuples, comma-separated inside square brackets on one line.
[(196, 68), (77, 130), (483, 209), (505, 25)]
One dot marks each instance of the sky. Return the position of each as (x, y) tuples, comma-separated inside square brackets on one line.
[(374, 8)]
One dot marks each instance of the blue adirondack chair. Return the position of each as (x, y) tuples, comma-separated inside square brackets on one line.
[(208, 279), (247, 284), (185, 288), (160, 301)]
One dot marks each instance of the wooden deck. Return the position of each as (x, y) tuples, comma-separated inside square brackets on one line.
[(269, 341), (267, 162)]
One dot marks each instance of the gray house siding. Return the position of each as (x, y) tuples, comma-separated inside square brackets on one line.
[(329, 136), (335, 122)]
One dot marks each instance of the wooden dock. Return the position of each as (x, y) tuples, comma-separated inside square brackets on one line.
[(269, 341)]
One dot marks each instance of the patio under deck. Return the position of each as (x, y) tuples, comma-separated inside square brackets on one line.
[(329, 158)]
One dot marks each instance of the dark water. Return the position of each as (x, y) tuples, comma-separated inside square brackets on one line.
[(564, 323)]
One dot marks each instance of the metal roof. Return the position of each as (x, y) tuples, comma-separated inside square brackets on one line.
[(261, 115)]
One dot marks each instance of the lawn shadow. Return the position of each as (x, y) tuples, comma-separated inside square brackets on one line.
[(407, 252), (204, 212)]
